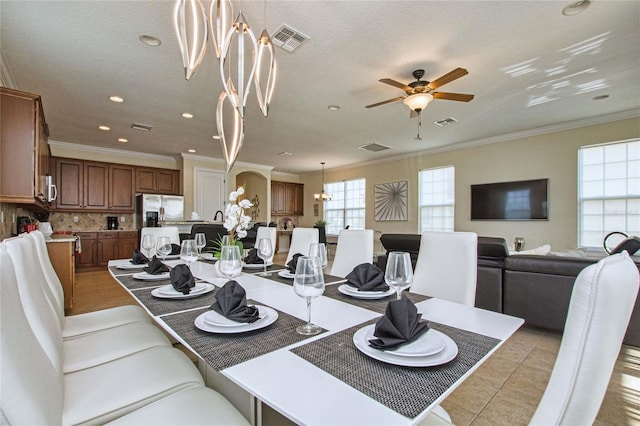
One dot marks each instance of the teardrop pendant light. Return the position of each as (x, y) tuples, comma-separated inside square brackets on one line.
[(231, 143), (265, 46), (220, 20), (190, 14)]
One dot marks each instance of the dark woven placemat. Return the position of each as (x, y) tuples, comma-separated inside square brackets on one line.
[(328, 279), (406, 390), (117, 271), (226, 350), (272, 267), (158, 306), (375, 305), (131, 283)]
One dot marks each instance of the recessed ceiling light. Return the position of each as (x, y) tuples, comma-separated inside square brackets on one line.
[(104, 128), (576, 7), (117, 99), (191, 150), (333, 107), (285, 154), (600, 97), (187, 115), (215, 137), (123, 140), (150, 40)]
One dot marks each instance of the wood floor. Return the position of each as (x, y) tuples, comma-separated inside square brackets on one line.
[(505, 390)]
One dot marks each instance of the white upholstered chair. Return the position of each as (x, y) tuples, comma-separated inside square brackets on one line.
[(354, 248), (161, 231), (301, 240), (77, 325), (447, 266), (270, 233), (602, 300)]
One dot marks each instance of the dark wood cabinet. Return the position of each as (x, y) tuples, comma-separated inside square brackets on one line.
[(157, 181), (96, 186), (287, 198), (98, 248), (127, 242), (107, 247), (24, 149), (88, 256), (122, 194), (69, 180)]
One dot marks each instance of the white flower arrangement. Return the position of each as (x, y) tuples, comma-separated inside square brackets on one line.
[(236, 221)]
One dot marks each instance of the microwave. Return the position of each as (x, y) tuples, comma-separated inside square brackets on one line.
[(51, 192)]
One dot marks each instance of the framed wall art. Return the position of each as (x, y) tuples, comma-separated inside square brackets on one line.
[(390, 201)]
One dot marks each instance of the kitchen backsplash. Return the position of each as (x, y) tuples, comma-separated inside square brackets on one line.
[(8, 225), (87, 221)]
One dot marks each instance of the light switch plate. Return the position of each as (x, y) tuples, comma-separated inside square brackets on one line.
[(75, 219)]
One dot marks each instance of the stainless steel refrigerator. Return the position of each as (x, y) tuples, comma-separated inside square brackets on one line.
[(165, 208)]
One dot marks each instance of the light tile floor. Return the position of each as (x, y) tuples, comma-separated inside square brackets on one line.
[(505, 390)]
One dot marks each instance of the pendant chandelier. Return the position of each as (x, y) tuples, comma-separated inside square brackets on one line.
[(230, 38), (322, 195)]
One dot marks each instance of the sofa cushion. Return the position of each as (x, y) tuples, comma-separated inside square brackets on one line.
[(566, 266), (401, 242)]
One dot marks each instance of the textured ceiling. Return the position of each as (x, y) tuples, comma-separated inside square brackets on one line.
[(529, 67)]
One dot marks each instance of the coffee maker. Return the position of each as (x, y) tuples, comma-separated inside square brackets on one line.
[(152, 219), (112, 222)]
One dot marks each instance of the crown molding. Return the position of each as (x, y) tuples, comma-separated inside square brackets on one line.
[(570, 125), (215, 160), (119, 152), (6, 76)]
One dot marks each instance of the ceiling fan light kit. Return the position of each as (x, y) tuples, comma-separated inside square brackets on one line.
[(418, 102)]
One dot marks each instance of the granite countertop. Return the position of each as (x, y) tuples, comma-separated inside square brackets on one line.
[(61, 238)]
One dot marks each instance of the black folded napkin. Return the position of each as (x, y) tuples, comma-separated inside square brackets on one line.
[(138, 258), (231, 301), (252, 258), (291, 266), (175, 249), (181, 279), (156, 267), (367, 277), (400, 324)]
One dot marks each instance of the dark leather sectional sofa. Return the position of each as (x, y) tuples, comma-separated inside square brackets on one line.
[(535, 288)]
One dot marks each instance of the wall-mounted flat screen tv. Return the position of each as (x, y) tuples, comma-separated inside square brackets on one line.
[(522, 200)]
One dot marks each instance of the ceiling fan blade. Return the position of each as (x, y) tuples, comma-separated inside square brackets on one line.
[(462, 97), (448, 78), (399, 98), (395, 83)]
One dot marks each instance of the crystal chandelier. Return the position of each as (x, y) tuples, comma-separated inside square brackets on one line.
[(322, 195), (230, 38)]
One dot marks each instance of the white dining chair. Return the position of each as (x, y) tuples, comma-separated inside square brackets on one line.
[(601, 304), (447, 266), (161, 231), (354, 248), (270, 233), (301, 239)]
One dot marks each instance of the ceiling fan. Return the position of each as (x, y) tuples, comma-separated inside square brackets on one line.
[(420, 92)]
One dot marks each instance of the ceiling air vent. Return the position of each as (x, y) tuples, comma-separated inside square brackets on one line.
[(288, 38), (375, 147), (139, 126), (446, 122)]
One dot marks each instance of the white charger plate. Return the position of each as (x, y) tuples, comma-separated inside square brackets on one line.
[(213, 322), (168, 292), (286, 274), (128, 265), (361, 340), (348, 290), (255, 265), (151, 277)]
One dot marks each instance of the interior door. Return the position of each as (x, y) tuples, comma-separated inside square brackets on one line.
[(208, 193)]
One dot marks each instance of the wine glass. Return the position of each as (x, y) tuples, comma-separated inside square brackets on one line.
[(230, 261), (148, 243), (399, 272), (264, 251), (188, 251), (201, 242), (319, 250), (309, 284), (164, 247)]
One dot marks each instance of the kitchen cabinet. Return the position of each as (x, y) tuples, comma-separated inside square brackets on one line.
[(157, 181), (24, 149), (96, 186), (98, 248), (122, 195), (287, 198), (61, 254)]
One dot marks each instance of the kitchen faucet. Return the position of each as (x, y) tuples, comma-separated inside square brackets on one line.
[(215, 217)]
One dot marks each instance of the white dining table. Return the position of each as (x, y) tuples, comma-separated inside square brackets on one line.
[(295, 387)]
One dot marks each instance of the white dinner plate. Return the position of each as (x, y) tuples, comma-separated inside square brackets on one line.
[(128, 265), (351, 291), (151, 277), (207, 256), (361, 340), (214, 324), (168, 292), (168, 257), (255, 265), (286, 274), (428, 343)]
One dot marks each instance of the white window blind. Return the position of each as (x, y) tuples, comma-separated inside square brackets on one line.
[(437, 199), (347, 205)]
